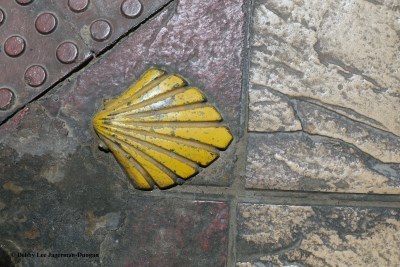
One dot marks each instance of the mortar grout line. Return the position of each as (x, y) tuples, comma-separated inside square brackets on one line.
[(279, 197), (237, 188)]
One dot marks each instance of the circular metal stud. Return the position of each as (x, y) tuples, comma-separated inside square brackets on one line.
[(24, 2), (46, 23), (78, 6), (2, 16), (14, 46), (6, 98), (131, 8), (35, 76), (67, 52), (100, 30)]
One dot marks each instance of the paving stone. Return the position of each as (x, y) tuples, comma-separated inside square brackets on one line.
[(382, 145), (47, 206), (317, 236), (174, 233), (44, 41), (271, 112), (339, 54), (100, 23), (298, 161)]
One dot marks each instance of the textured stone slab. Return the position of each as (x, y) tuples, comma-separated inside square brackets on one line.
[(317, 236), (270, 111), (48, 206), (298, 161), (44, 41), (340, 54), (170, 233), (381, 145)]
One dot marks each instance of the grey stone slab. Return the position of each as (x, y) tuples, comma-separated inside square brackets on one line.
[(317, 236), (303, 162), (383, 146)]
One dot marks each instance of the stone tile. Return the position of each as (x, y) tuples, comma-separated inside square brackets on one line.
[(46, 203), (317, 236), (379, 144), (298, 161), (48, 206), (202, 41), (271, 112), (170, 233), (339, 54)]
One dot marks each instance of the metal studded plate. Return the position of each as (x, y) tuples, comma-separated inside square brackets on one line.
[(43, 41), (37, 48), (100, 23)]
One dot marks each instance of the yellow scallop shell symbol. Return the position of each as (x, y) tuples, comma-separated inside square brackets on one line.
[(161, 130)]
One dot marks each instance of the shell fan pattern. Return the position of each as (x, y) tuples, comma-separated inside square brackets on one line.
[(161, 130)]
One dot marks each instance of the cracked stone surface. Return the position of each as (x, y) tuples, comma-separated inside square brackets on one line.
[(299, 161), (317, 236), (342, 54), (317, 120), (330, 70)]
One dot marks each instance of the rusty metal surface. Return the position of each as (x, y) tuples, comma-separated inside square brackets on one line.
[(43, 41)]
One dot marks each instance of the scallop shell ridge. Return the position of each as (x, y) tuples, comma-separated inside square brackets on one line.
[(161, 130)]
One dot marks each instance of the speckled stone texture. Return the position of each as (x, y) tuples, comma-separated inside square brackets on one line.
[(329, 69), (299, 161), (341, 54), (175, 233), (317, 236)]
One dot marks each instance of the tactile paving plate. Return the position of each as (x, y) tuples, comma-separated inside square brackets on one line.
[(100, 23), (43, 41), (32, 35)]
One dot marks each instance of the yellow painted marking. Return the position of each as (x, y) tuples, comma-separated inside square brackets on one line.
[(198, 153), (199, 114), (148, 77), (160, 129), (217, 136), (148, 92), (180, 168), (160, 177), (169, 84), (189, 96), (132, 169)]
